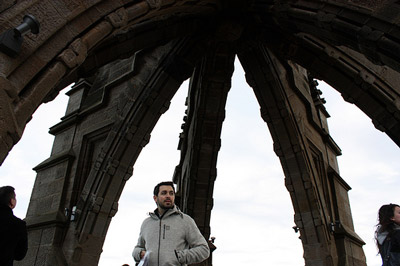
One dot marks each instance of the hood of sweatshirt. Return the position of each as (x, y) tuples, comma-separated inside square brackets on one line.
[(381, 236), (174, 210)]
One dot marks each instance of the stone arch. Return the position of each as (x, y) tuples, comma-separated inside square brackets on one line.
[(369, 28), (76, 39), (306, 151), (351, 46), (358, 80), (137, 105), (69, 34)]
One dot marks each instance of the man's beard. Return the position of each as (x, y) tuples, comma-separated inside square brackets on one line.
[(165, 207)]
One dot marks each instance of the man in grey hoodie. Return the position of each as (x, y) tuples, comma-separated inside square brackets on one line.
[(168, 237)]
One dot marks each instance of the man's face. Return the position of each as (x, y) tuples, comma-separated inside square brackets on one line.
[(165, 198), (13, 202)]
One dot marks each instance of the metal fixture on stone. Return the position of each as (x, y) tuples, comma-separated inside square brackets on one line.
[(11, 40), (128, 58)]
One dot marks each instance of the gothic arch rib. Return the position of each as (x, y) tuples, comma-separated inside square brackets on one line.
[(138, 102), (307, 153), (77, 38), (69, 33), (200, 140), (354, 48), (371, 28), (374, 89)]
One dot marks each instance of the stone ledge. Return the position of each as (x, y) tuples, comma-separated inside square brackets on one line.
[(335, 175), (55, 159), (45, 220), (66, 122), (342, 231)]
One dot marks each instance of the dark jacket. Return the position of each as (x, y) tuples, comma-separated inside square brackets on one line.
[(392, 256), (13, 237)]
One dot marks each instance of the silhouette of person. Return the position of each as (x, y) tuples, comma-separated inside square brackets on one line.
[(13, 234), (168, 236)]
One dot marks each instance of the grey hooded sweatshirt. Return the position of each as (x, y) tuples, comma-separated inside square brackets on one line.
[(172, 240), (381, 236)]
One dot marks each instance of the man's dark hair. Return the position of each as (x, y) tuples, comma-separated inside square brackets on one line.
[(165, 183), (6, 194)]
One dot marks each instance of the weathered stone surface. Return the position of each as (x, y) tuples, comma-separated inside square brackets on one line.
[(130, 57), (6, 4)]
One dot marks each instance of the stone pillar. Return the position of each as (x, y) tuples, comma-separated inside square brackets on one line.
[(294, 112)]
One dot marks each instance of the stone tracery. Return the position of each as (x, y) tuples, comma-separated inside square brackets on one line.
[(128, 58)]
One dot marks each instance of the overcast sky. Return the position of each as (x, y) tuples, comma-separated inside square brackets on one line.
[(252, 217)]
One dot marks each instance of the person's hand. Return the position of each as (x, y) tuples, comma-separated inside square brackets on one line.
[(142, 254)]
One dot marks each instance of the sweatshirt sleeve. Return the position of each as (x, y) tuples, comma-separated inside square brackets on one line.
[(140, 246), (198, 247)]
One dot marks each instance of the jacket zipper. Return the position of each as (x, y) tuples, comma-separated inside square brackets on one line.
[(164, 232), (159, 244)]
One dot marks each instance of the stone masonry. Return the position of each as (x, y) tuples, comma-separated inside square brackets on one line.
[(127, 59)]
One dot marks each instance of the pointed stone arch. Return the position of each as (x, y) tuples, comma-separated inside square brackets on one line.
[(76, 39), (128, 58), (296, 118)]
